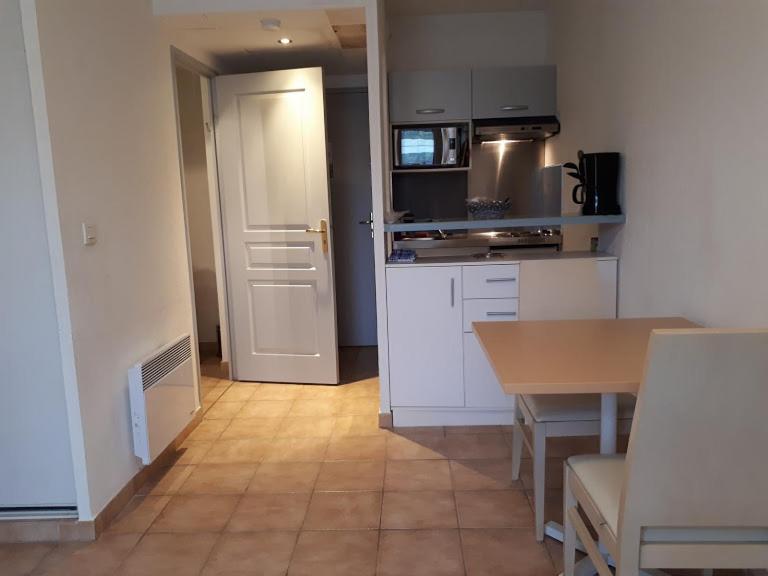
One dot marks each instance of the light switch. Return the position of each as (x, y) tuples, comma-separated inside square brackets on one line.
[(89, 234)]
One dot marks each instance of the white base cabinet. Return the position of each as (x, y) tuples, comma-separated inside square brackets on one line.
[(438, 372), (481, 388), (425, 336)]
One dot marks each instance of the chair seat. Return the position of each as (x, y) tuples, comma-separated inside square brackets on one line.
[(573, 407), (602, 477)]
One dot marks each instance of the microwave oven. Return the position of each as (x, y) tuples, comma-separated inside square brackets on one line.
[(430, 146)]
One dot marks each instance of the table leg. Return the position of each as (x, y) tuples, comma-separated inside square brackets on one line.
[(608, 422)]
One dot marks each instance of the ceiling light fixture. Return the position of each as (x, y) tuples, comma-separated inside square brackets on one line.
[(285, 41)]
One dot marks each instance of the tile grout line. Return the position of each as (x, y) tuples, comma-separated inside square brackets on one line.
[(458, 522)]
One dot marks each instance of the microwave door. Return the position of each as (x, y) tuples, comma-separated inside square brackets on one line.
[(417, 147), (448, 145)]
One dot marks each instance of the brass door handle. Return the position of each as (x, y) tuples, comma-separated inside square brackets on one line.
[(323, 231)]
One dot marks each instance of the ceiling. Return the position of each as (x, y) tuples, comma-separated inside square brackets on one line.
[(425, 7), (236, 42)]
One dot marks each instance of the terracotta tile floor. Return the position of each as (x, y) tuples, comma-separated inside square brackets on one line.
[(299, 480)]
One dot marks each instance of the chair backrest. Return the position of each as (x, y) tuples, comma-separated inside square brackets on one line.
[(698, 451)]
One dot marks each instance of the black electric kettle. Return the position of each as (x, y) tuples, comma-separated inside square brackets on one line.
[(598, 187)]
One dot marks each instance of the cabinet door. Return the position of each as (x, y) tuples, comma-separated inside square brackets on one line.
[(481, 387), (430, 96), (514, 92), (568, 289), (425, 336)]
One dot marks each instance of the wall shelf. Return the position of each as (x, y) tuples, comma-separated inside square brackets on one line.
[(505, 223)]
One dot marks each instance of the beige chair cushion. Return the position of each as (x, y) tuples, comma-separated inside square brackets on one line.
[(573, 407), (602, 478)]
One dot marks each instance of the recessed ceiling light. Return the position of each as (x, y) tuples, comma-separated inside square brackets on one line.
[(284, 41)]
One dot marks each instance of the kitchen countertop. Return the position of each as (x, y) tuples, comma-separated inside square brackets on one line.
[(509, 258)]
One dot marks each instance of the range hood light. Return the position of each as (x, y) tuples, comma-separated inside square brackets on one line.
[(504, 141), (284, 41)]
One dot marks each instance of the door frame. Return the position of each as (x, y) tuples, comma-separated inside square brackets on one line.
[(180, 59)]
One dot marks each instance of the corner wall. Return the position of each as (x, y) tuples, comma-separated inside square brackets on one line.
[(107, 79), (679, 89)]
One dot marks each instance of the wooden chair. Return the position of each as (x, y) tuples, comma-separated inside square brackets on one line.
[(692, 491), (556, 415)]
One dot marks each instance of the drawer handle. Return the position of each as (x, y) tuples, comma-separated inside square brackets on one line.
[(453, 292), (514, 107), (501, 313), (430, 111), (501, 279)]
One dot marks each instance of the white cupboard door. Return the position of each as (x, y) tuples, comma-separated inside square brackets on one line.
[(577, 289), (481, 387), (521, 91), (430, 95), (273, 175), (425, 336)]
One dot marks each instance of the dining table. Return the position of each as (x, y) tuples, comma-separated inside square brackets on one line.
[(593, 356)]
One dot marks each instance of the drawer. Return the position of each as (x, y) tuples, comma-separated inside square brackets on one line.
[(489, 310), (494, 281)]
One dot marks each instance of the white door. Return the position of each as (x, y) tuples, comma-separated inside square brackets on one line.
[(425, 336), (273, 173)]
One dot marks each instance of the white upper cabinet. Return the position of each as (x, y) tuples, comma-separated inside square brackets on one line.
[(430, 96), (425, 336), (517, 92)]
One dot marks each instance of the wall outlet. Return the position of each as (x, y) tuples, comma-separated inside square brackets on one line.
[(89, 234)]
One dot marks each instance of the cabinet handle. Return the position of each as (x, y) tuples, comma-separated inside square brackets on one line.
[(514, 107), (430, 111), (501, 313), (453, 291), (501, 280)]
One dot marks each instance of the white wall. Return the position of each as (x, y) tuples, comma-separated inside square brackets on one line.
[(107, 74), (468, 40), (679, 88), (198, 203), (34, 438)]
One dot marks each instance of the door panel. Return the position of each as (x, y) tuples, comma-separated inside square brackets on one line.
[(274, 190), (282, 318), (425, 337), (271, 131), (274, 255)]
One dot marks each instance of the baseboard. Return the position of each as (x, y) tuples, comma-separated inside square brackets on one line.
[(68, 530), (47, 530), (451, 417), (385, 420)]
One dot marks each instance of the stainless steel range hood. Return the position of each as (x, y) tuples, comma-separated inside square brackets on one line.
[(516, 129)]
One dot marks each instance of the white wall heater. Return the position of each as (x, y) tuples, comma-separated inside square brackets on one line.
[(163, 401)]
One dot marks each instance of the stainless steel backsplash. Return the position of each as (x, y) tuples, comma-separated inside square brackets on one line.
[(516, 171)]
